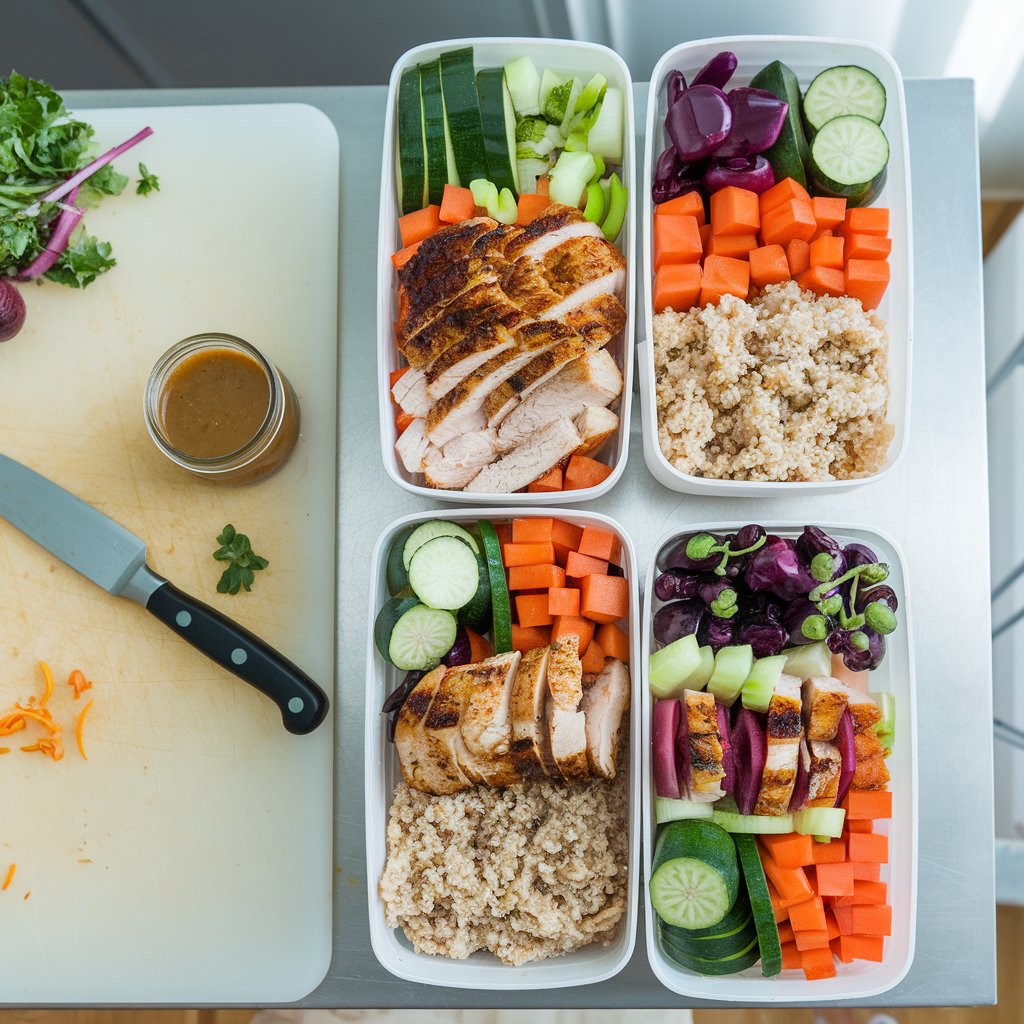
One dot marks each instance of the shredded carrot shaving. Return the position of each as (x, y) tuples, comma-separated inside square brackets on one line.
[(48, 679), (78, 729), (5, 750), (10, 876), (78, 682), (54, 746), (11, 724)]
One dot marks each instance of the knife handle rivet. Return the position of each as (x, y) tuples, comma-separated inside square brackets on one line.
[(183, 619), (238, 656), (296, 704)]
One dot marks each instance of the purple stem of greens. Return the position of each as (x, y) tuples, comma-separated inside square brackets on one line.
[(68, 220), (89, 170)]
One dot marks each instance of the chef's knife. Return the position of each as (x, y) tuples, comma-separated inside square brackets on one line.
[(110, 556)]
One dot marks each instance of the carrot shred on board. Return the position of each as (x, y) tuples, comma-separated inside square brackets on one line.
[(79, 683), (78, 729), (5, 750), (48, 679), (52, 746), (9, 877)]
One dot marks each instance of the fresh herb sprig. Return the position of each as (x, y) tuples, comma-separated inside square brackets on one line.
[(236, 549), (147, 182)]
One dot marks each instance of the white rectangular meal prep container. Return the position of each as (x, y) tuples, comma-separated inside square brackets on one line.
[(806, 56), (860, 979), (557, 54), (482, 970)]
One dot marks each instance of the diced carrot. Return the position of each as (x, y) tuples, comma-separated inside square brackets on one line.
[(822, 281), (416, 226), (604, 598), (865, 894), (724, 276), (867, 247), (593, 659), (828, 212), (676, 239), (866, 825), (529, 554), (788, 882), (735, 211), (583, 472), (677, 287), (689, 204), (867, 804), (834, 879), (768, 265), (579, 566), (831, 925), (866, 220), (827, 251), (782, 192), (456, 204), (531, 206), (873, 920), (532, 528), (479, 646), (549, 482), (791, 850), (566, 537), (400, 258), (808, 916), (705, 236), (600, 543), (402, 421), (843, 915), (563, 601), (543, 185), (788, 902), (736, 246), (870, 846), (614, 641), (866, 871), (816, 938), (567, 624), (798, 256), (791, 960), (532, 610), (794, 219), (833, 852), (536, 577), (526, 639), (822, 233), (818, 964), (859, 947), (785, 932)]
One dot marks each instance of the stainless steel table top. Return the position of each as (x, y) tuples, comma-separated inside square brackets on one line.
[(935, 505)]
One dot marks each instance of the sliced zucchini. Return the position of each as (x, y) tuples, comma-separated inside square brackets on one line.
[(462, 110), (421, 637), (788, 156), (501, 608), (712, 947), (498, 117), (523, 85), (674, 663), (412, 163), (396, 573), (477, 614), (849, 159), (389, 614), (732, 666), (570, 176), (608, 130), (731, 923), (435, 528), (760, 906), (808, 660), (752, 824), (740, 961), (760, 684), (695, 875), (434, 130), (449, 149), (443, 573), (842, 90)]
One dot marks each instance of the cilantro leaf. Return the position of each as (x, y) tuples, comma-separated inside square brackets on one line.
[(82, 261), (147, 182), (105, 182)]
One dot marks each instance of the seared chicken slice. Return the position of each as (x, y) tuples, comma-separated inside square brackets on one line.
[(784, 732), (565, 673), (461, 359), (703, 755), (412, 446), (525, 284), (871, 771), (823, 784), (604, 703), (486, 724), (499, 403), (825, 701), (452, 467), (421, 768), (530, 460), (530, 744), (568, 734), (541, 369), (410, 393), (556, 224), (579, 262), (598, 320), (449, 245), (418, 306), (595, 425), (865, 713)]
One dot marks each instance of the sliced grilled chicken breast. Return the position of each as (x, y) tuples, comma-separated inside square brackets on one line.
[(577, 262), (452, 467), (595, 425), (412, 446), (530, 743), (529, 460), (447, 246), (461, 359), (604, 704), (704, 756), (785, 729), (410, 392), (871, 771), (598, 320), (418, 306), (568, 735), (487, 725), (420, 768), (499, 403), (556, 224), (826, 764), (865, 713), (565, 673), (825, 700)]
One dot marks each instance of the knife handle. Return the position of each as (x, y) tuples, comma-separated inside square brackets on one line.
[(303, 704)]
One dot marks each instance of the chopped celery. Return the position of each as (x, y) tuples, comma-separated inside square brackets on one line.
[(599, 173), (524, 84), (594, 210), (570, 176), (819, 821), (501, 206), (606, 134), (592, 93), (612, 223)]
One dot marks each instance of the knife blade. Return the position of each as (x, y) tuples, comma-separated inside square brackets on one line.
[(112, 557)]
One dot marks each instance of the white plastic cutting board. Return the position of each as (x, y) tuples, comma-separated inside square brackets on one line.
[(189, 859)]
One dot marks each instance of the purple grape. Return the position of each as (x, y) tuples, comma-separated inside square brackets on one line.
[(766, 638), (776, 567), (684, 585), (863, 660), (716, 632), (748, 536), (679, 619), (710, 591)]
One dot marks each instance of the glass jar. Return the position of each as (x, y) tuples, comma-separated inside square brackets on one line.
[(216, 407)]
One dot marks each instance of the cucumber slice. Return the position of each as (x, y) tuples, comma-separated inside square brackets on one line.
[(412, 161), (477, 614), (435, 528), (885, 730), (712, 947), (788, 156), (395, 572), (570, 176), (760, 906), (421, 638), (732, 667), (820, 821), (591, 94), (612, 223), (462, 111), (498, 118), (842, 90), (607, 132), (849, 159), (699, 677), (523, 85), (726, 965), (695, 875), (434, 130), (389, 614), (443, 573), (669, 667), (752, 824), (669, 809), (760, 684), (731, 923), (501, 608), (808, 661)]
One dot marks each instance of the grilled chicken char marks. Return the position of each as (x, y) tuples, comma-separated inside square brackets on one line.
[(417, 307), (460, 359), (785, 728), (579, 261), (447, 246), (824, 701), (530, 752), (825, 767), (705, 769), (555, 224), (487, 727)]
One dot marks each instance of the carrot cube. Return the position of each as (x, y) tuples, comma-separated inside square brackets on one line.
[(865, 894), (600, 543), (593, 659), (400, 258), (833, 852), (456, 204), (578, 566), (416, 226), (705, 236), (790, 851), (812, 939), (872, 920), (827, 251), (858, 825), (866, 220), (781, 912), (798, 256), (504, 532), (527, 638), (834, 879), (828, 212), (573, 624), (479, 647), (843, 915), (790, 883), (689, 204), (867, 247), (780, 193), (534, 528), (403, 421), (724, 276), (822, 281), (735, 211), (768, 265), (788, 902), (818, 964), (614, 641), (563, 601), (736, 246), (677, 287), (566, 537), (867, 804), (604, 598), (676, 239), (866, 871), (808, 916), (868, 846), (532, 610), (549, 482), (531, 205), (860, 947), (786, 932), (794, 219), (536, 577), (528, 554), (583, 472), (791, 960), (831, 925)]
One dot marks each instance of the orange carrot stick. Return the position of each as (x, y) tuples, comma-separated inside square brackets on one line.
[(48, 679), (9, 877), (78, 729)]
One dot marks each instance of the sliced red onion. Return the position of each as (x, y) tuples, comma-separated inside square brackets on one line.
[(12, 310), (698, 122), (89, 170), (68, 220), (717, 71), (664, 723), (802, 786), (755, 175), (757, 120), (847, 754), (674, 178)]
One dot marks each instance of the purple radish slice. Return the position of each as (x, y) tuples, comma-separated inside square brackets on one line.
[(750, 751), (664, 724), (755, 175), (12, 310), (717, 71), (802, 786), (847, 754), (757, 120), (683, 749), (698, 122), (675, 86), (725, 737)]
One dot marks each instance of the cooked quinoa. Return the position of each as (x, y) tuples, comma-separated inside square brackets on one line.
[(788, 386), (532, 871)]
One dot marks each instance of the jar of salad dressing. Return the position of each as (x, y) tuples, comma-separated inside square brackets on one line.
[(216, 407)]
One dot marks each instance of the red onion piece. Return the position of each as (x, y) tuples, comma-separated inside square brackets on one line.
[(728, 760), (750, 751), (68, 220), (844, 741), (89, 170), (664, 722), (12, 310)]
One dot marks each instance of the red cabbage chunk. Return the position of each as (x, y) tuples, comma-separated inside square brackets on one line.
[(698, 121), (757, 120)]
